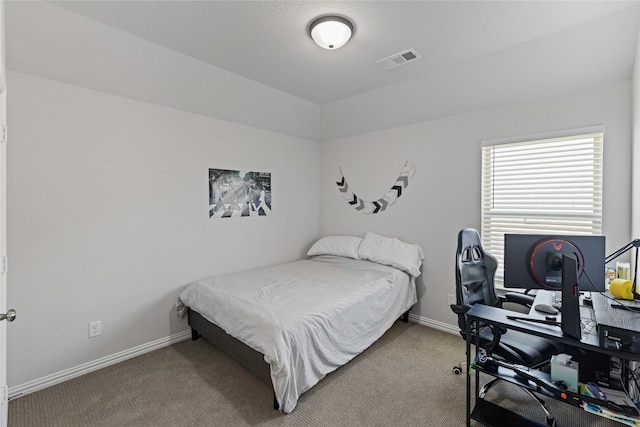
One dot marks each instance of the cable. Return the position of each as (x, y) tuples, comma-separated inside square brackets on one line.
[(634, 377), (618, 305)]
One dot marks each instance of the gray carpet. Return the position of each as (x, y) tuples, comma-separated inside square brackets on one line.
[(403, 379)]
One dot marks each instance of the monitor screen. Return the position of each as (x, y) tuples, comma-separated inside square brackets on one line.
[(534, 261)]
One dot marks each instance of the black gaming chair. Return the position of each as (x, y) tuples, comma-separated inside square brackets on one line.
[(475, 273)]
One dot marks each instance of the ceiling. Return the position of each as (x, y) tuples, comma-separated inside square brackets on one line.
[(267, 41)]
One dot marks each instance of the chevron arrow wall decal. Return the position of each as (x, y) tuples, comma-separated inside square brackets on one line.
[(380, 205)]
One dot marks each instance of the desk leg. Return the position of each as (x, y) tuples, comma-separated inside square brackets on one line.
[(475, 353), (468, 373)]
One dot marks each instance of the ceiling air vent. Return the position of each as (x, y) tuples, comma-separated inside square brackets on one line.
[(398, 59)]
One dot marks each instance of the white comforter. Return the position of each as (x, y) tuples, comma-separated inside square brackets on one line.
[(307, 317)]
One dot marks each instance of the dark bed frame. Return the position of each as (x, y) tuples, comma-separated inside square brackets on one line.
[(247, 357)]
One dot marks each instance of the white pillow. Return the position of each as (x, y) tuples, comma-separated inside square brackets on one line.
[(391, 251), (344, 246)]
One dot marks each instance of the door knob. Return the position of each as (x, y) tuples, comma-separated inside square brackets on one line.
[(10, 315)]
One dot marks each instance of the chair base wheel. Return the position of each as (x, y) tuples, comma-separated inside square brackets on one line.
[(458, 369)]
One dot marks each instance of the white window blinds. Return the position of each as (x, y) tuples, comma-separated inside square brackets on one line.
[(547, 186)]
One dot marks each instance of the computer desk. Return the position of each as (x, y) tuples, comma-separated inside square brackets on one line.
[(485, 411)]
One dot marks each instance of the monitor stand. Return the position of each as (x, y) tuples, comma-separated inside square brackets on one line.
[(570, 319)]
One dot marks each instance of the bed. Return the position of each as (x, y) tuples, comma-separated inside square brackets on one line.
[(293, 323)]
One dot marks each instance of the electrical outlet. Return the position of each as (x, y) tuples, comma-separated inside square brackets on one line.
[(451, 299), (95, 329)]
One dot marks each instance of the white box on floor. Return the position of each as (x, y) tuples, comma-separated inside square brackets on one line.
[(565, 370)]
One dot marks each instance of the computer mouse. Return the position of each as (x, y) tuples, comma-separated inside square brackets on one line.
[(545, 308)]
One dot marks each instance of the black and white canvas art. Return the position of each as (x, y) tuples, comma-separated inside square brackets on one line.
[(235, 193)]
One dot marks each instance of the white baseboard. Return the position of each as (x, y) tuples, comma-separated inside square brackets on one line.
[(85, 368), (434, 324)]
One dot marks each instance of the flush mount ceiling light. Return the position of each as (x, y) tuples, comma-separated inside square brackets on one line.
[(330, 31)]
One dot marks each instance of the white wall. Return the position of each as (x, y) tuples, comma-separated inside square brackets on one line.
[(108, 217), (444, 195), (635, 208)]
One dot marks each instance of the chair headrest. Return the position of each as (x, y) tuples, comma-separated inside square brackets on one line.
[(468, 237)]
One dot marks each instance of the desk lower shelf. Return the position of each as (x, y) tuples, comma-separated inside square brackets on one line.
[(491, 414), (539, 382), (552, 391)]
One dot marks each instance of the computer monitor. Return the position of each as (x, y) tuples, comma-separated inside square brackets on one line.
[(534, 261)]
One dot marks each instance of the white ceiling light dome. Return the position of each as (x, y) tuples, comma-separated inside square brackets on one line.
[(331, 31)]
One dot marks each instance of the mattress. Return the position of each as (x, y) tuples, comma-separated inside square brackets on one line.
[(307, 317)]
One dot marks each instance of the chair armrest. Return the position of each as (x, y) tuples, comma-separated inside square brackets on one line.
[(460, 309), (518, 298)]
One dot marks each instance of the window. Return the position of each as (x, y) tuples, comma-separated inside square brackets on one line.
[(544, 186)]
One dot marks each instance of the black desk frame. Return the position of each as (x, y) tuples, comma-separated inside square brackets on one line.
[(483, 314)]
